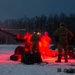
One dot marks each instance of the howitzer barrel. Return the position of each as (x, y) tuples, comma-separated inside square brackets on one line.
[(7, 32), (20, 39)]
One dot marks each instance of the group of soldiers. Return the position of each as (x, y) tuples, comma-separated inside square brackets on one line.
[(38, 43), (41, 43)]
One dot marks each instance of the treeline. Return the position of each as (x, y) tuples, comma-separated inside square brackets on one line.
[(41, 23)]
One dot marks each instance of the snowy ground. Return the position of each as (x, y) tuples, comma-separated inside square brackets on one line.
[(9, 67)]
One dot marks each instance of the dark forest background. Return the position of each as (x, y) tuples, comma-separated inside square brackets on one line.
[(41, 23)]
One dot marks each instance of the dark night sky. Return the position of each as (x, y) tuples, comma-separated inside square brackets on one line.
[(14, 9)]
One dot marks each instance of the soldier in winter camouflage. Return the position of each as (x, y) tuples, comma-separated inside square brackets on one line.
[(62, 35)]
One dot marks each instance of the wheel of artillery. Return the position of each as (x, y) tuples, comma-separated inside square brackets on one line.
[(19, 50)]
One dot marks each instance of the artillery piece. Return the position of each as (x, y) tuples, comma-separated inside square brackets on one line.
[(23, 53), (20, 49)]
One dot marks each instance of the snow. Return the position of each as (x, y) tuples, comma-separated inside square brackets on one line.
[(9, 67)]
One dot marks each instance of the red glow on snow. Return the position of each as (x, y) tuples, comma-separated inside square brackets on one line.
[(5, 59)]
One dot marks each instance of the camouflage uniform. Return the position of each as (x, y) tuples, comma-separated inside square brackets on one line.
[(62, 35)]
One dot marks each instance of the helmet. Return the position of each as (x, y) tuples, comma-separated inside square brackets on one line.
[(62, 24)]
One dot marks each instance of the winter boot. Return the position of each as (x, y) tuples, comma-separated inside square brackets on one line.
[(66, 58), (59, 59)]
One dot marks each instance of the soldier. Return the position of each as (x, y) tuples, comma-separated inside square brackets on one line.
[(35, 48), (28, 43), (45, 43), (35, 42), (62, 35)]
